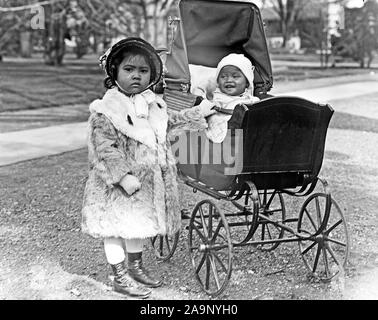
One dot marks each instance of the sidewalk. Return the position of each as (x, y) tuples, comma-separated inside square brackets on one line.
[(24, 145)]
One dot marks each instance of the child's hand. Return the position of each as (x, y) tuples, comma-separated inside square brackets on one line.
[(130, 184), (206, 108)]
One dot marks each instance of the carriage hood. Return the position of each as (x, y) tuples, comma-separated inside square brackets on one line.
[(209, 30)]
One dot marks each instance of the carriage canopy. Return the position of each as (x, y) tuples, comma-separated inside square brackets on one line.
[(208, 30)]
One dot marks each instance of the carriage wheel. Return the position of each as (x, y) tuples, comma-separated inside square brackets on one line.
[(273, 206), (240, 220), (325, 254), (210, 247), (165, 246)]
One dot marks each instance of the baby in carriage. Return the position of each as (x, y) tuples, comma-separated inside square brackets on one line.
[(234, 85)]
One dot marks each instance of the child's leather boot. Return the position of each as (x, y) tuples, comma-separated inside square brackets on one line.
[(124, 284), (139, 273)]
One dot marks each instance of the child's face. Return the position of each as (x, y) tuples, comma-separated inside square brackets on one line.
[(232, 81), (134, 74)]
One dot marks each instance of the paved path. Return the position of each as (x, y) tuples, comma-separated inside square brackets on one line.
[(30, 144), (335, 92)]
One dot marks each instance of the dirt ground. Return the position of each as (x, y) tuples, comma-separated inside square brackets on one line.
[(44, 255)]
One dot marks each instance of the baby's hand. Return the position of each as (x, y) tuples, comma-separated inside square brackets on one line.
[(255, 99), (206, 108), (130, 184)]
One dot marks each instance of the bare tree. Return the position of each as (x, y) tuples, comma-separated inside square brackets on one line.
[(109, 19), (101, 19), (154, 17), (288, 11), (55, 32), (11, 21), (18, 15), (359, 38)]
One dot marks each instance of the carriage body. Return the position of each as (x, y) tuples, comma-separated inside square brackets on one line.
[(282, 140), (277, 143)]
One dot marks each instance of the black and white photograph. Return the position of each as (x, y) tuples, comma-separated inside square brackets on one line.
[(202, 152)]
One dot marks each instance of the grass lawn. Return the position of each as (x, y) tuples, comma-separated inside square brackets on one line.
[(29, 84)]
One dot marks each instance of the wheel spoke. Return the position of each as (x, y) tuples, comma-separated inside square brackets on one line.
[(219, 261), (334, 226), (263, 232), (207, 272), (272, 204), (272, 211), (214, 269), (210, 221), (277, 227), (200, 264), (203, 222), (269, 234), (216, 232), (333, 255), (305, 231), (198, 223), (325, 260), (203, 238), (264, 199), (271, 199), (318, 213), (308, 248), (337, 242), (311, 220), (319, 250)]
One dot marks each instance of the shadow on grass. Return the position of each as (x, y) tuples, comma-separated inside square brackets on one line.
[(341, 120), (35, 85)]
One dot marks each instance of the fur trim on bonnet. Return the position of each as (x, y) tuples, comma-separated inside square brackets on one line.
[(240, 61)]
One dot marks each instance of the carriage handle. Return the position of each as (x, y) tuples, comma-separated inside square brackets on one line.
[(223, 110)]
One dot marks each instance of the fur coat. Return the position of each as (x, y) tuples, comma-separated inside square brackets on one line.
[(120, 142)]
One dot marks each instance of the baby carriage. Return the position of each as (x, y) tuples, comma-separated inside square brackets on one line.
[(278, 144)]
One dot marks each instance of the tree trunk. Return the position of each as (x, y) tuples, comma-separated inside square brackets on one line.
[(55, 45), (362, 62), (370, 59), (284, 35), (95, 44), (25, 44)]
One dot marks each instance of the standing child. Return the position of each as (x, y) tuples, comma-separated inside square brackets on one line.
[(131, 193)]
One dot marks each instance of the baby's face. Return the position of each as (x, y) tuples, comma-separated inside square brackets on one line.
[(134, 74), (232, 81)]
